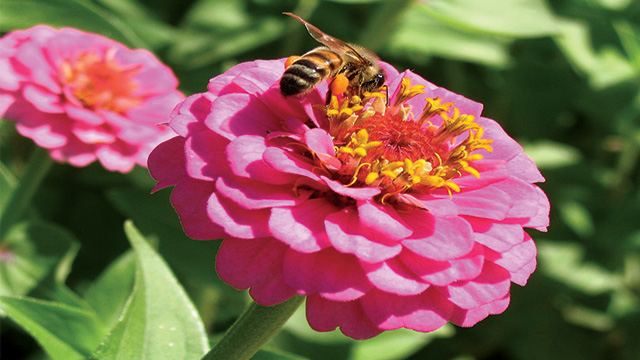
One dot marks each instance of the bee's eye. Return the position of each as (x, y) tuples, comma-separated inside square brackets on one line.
[(375, 83)]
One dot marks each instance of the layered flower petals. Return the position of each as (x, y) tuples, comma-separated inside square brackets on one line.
[(84, 97), (322, 199)]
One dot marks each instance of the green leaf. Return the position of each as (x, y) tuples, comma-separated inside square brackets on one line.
[(8, 182), (80, 14), (154, 216), (564, 262), (65, 333), (420, 36), (155, 32), (397, 344), (159, 320), (109, 293), (218, 30), (604, 68), (275, 355), (513, 18), (549, 155), (31, 251)]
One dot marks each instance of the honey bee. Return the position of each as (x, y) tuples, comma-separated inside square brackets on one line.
[(359, 65)]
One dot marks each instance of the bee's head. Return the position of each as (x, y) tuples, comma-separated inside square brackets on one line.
[(376, 82)]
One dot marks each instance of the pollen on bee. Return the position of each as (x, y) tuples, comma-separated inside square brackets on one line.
[(339, 84), (291, 60)]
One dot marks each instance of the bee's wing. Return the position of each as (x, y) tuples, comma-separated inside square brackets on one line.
[(330, 41)]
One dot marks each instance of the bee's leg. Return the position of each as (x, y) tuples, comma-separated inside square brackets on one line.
[(386, 93), (291, 60), (338, 85)]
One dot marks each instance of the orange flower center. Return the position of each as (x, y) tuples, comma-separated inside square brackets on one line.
[(99, 82), (388, 147)]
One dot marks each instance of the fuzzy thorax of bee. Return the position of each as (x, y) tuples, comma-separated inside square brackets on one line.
[(401, 152)]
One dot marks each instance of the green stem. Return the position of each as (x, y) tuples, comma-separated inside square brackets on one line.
[(382, 22), (253, 329), (39, 164)]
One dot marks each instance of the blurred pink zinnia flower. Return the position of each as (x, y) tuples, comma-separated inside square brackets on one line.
[(85, 97), (401, 216)]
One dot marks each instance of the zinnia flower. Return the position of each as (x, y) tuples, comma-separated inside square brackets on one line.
[(401, 216), (85, 97)]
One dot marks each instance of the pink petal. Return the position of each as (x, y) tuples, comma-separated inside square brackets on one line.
[(42, 133), (289, 163), (504, 147), (42, 99), (347, 236), (166, 163), (302, 226), (92, 134), (540, 221), (251, 194), (327, 315), (189, 115), (382, 219), (240, 114), (393, 277), (365, 193), (491, 171), (496, 236), (189, 198), (489, 202), (83, 115), (443, 273), (205, 155), (438, 238), (443, 207), (520, 260), (30, 56), (524, 197), (244, 157), (492, 284), (319, 141), (255, 264), (470, 317), (425, 312), (113, 160), (523, 168), (334, 275), (235, 220)]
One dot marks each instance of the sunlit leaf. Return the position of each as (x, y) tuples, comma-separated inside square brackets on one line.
[(604, 68), (154, 215), (516, 18), (156, 33), (109, 293), (275, 355), (7, 183), (20, 14), (396, 345), (564, 262), (30, 252), (577, 217), (549, 154), (419, 36), (65, 333), (159, 320)]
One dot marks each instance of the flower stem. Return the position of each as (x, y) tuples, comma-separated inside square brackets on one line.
[(37, 168), (253, 329)]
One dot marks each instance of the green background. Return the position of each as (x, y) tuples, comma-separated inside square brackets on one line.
[(561, 76)]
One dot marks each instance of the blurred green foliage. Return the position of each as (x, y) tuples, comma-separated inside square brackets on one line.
[(561, 76)]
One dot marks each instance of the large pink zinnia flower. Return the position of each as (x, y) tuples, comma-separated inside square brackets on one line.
[(85, 97), (401, 216)]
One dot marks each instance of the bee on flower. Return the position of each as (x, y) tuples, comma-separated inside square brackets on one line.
[(397, 209)]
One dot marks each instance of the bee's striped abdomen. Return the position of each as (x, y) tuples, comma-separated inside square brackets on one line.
[(306, 72)]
